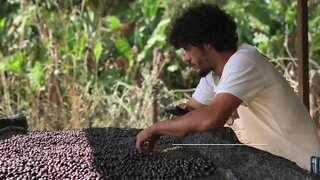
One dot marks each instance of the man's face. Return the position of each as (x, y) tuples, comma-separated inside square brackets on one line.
[(198, 59)]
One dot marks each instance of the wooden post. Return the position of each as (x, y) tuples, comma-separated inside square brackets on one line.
[(155, 105), (155, 86), (315, 97), (302, 49)]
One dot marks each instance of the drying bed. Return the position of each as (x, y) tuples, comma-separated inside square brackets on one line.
[(109, 153)]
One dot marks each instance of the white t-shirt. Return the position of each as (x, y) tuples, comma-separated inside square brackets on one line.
[(271, 112)]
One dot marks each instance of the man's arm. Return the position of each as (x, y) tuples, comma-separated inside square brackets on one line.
[(214, 115)]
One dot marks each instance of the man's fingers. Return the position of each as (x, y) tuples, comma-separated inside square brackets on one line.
[(147, 137), (139, 144), (151, 145), (185, 106)]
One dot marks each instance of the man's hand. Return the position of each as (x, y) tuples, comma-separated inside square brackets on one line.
[(192, 104), (186, 107), (147, 136)]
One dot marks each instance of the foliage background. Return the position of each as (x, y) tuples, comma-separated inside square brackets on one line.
[(78, 63)]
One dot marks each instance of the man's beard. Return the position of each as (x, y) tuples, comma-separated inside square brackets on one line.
[(203, 73), (202, 63)]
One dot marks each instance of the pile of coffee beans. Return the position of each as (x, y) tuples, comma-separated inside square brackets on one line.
[(100, 153)]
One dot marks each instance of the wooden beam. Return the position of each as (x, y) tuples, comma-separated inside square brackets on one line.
[(302, 50)]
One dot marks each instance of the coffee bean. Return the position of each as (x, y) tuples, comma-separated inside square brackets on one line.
[(100, 153)]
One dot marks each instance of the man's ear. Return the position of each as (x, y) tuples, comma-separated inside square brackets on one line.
[(207, 47)]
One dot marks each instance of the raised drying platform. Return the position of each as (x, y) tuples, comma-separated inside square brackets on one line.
[(109, 153), (10, 126), (241, 162)]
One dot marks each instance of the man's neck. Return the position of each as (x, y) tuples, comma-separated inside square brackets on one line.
[(221, 58)]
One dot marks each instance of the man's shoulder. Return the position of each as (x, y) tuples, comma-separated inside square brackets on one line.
[(246, 51), (248, 56)]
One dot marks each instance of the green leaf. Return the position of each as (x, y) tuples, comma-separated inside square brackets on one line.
[(157, 38), (14, 63), (172, 68), (150, 8), (180, 52), (260, 38), (141, 56), (158, 35), (37, 76), (2, 23), (114, 22), (314, 22), (259, 10), (290, 15), (79, 47), (124, 48), (83, 41), (98, 50), (2, 66)]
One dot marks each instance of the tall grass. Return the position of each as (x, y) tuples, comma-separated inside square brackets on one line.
[(62, 70), (66, 65)]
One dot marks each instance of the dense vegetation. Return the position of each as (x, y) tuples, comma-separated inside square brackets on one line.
[(77, 63)]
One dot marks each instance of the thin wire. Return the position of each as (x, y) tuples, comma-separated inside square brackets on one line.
[(219, 144)]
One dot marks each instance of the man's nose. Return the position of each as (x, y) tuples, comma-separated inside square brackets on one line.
[(186, 57)]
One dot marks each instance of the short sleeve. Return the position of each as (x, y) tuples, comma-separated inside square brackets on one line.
[(242, 78), (204, 92)]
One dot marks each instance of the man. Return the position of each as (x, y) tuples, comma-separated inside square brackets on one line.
[(236, 79)]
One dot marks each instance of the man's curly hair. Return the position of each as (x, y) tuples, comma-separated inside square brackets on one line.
[(204, 24)]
